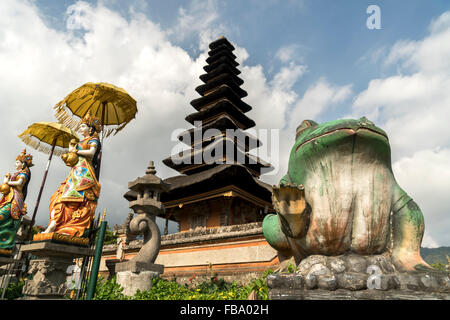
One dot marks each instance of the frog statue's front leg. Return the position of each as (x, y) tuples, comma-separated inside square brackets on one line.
[(290, 223)]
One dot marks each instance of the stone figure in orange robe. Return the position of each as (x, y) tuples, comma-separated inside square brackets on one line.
[(72, 206)]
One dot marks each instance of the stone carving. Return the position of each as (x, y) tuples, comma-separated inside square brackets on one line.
[(147, 206), (48, 272), (137, 273), (49, 277), (343, 221), (144, 224), (351, 276), (123, 230), (338, 196)]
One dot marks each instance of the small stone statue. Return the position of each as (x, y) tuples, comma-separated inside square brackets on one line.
[(120, 251)]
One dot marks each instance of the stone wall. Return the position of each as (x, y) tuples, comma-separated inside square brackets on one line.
[(236, 252)]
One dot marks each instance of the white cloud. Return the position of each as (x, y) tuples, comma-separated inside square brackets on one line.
[(287, 76), (441, 24), (276, 105), (413, 107), (290, 53), (40, 66), (428, 56), (44, 65), (425, 176), (318, 97), (199, 18), (429, 242), (271, 100)]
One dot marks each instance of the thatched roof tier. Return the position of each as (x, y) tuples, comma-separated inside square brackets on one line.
[(222, 41), (219, 48), (221, 69), (222, 92), (217, 152), (221, 176), (221, 123), (196, 137), (222, 107), (218, 62), (228, 79), (224, 77), (212, 59), (203, 184)]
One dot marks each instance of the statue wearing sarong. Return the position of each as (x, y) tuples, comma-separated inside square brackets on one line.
[(12, 203), (72, 206)]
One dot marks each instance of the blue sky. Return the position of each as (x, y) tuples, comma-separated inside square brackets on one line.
[(299, 59), (331, 36)]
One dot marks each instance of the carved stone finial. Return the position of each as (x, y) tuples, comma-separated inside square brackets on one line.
[(151, 168)]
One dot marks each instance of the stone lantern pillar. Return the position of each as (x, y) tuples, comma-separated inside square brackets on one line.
[(138, 272)]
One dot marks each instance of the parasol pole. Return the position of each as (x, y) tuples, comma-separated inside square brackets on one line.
[(42, 184), (99, 157), (97, 258)]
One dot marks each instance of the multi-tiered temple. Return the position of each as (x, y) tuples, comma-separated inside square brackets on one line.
[(217, 199), (219, 183)]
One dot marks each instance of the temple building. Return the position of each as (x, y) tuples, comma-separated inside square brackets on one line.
[(219, 181), (218, 199)]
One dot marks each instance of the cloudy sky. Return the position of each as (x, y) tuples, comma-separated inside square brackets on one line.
[(299, 59)]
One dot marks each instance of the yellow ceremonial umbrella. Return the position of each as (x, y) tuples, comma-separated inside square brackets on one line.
[(50, 138), (112, 105), (45, 136)]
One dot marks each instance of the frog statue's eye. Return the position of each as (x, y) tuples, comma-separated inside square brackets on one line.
[(304, 125)]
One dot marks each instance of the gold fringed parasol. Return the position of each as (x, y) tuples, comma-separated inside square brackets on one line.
[(42, 135), (50, 138), (113, 105)]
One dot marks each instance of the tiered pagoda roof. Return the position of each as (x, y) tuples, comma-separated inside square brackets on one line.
[(220, 107)]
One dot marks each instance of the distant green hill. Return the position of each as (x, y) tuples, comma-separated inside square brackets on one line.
[(433, 255)]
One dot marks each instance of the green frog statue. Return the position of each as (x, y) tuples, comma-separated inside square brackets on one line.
[(340, 196)]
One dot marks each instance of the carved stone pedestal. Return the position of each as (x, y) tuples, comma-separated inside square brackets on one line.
[(49, 278), (133, 275), (49, 270), (354, 277)]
